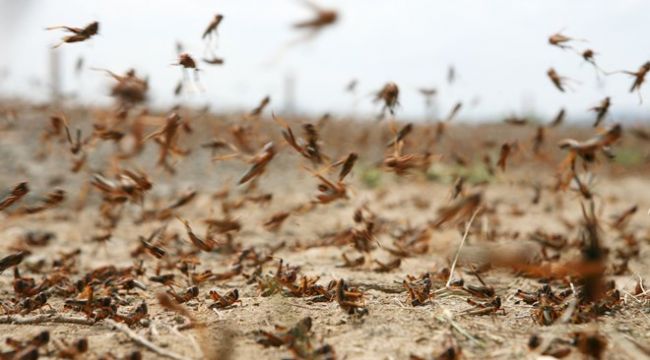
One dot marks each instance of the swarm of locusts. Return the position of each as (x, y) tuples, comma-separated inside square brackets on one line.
[(197, 236)]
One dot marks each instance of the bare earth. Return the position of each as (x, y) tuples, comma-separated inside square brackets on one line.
[(393, 328)]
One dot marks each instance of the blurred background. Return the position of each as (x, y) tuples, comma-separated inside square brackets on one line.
[(498, 49)]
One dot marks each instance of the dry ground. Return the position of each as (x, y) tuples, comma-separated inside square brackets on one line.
[(393, 329)]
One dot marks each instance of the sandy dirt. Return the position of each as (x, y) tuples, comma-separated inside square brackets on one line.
[(393, 328)]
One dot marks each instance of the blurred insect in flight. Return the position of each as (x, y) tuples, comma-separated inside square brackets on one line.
[(389, 95), (560, 40), (210, 34), (188, 63), (639, 78), (323, 18), (78, 34), (556, 79), (601, 110)]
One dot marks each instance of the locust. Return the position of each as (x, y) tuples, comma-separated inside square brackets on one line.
[(556, 79), (255, 113), (485, 308), (639, 77), (224, 301), (165, 279), (26, 349), (622, 219), (441, 126), (323, 18), (167, 138), (130, 184), (12, 260), (348, 164), (216, 145), (454, 111), (352, 86), (387, 267), (592, 345), (274, 223), (329, 191), (487, 162), (213, 27), (129, 89), (402, 163), (223, 226), (78, 34), (312, 147), (515, 120), (401, 134), (183, 200), (389, 95), (560, 40), (189, 294), (212, 61), (201, 244), (138, 313), (419, 293), (558, 119), (482, 291), (32, 303), (259, 161), (186, 61), (459, 209), (601, 110), (309, 148), (312, 27), (51, 200), (588, 56), (503, 156), (587, 149), (75, 350), (15, 195), (350, 300)]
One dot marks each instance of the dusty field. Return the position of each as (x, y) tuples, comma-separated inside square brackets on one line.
[(396, 205)]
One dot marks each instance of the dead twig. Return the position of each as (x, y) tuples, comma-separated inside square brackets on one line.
[(44, 319), (142, 341)]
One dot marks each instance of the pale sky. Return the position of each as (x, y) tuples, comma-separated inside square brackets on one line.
[(499, 49)]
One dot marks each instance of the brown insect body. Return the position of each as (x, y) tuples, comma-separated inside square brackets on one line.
[(601, 110), (556, 79), (323, 18), (78, 34), (259, 161), (389, 95), (639, 76), (16, 194), (224, 301), (503, 156), (211, 29)]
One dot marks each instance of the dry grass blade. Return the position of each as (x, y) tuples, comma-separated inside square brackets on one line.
[(460, 247)]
